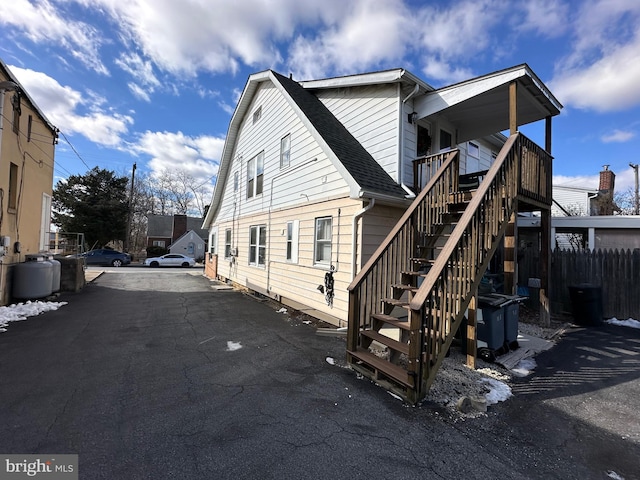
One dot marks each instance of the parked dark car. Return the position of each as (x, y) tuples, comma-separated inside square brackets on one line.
[(106, 256)]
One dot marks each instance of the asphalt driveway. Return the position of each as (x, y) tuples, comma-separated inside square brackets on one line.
[(148, 374)]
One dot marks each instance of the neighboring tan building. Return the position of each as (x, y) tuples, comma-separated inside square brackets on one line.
[(27, 149)]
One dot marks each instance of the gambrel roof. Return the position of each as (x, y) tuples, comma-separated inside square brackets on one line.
[(365, 176), (359, 163)]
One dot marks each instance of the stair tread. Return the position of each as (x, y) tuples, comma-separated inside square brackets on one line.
[(402, 286), (390, 369), (404, 325), (384, 340)]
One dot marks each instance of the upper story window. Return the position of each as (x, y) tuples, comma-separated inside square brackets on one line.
[(29, 126), (257, 115), (285, 151), (445, 140), (13, 186), (473, 150), (322, 244), (15, 102), (255, 175)]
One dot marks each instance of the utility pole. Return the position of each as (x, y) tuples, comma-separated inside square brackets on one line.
[(128, 234), (637, 204)]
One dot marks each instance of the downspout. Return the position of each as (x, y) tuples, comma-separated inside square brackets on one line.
[(401, 139), (282, 174), (354, 235)]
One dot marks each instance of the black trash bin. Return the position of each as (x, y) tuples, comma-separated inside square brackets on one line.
[(586, 302)]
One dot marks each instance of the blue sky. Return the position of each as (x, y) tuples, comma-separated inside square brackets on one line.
[(155, 81)]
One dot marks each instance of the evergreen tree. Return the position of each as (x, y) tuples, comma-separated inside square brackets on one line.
[(95, 204)]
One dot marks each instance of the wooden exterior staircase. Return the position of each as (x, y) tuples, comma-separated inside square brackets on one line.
[(407, 302)]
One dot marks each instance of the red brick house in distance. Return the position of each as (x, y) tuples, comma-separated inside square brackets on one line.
[(164, 230)]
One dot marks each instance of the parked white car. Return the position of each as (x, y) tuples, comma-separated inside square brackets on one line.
[(170, 260)]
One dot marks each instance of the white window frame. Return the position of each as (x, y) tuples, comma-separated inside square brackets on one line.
[(257, 114), (291, 245), (320, 243), (448, 147), (258, 245), (473, 150), (160, 243), (255, 175), (285, 151), (227, 243)]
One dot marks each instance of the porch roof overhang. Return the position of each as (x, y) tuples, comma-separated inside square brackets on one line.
[(480, 106)]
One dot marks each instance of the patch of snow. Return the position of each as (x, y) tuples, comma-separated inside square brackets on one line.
[(524, 367), (231, 346), (498, 391), (396, 396), (614, 475), (282, 310), (630, 322), (307, 322), (330, 361), (21, 311)]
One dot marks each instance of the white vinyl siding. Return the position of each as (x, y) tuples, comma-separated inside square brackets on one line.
[(307, 160), (371, 115)]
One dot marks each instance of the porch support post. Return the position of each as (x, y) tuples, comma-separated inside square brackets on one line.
[(510, 259), (545, 266), (513, 108), (546, 242), (471, 336)]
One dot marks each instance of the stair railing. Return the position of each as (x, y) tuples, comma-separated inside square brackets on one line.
[(437, 308), (393, 256)]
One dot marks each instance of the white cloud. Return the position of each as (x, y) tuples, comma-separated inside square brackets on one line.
[(618, 136), (45, 22), (546, 17), (72, 112), (138, 92), (169, 151), (602, 71), (367, 33)]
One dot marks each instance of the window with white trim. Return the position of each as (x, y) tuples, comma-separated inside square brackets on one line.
[(445, 141), (292, 241), (257, 115), (255, 175), (473, 150), (322, 243), (258, 245), (285, 151), (159, 243), (227, 243)]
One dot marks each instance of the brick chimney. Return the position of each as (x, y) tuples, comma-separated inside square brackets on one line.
[(607, 180), (179, 227)]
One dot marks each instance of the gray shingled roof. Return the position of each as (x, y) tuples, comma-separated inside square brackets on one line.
[(364, 169)]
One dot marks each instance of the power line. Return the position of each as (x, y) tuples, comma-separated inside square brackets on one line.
[(74, 149)]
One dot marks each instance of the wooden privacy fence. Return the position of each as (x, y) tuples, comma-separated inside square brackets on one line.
[(616, 271)]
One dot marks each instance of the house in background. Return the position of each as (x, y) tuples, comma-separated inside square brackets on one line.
[(164, 230), (190, 244), (584, 219), (27, 149), (350, 199)]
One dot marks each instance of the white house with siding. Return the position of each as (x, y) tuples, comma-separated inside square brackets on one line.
[(314, 174)]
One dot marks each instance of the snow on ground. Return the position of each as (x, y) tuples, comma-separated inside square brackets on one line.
[(630, 322), (21, 311)]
